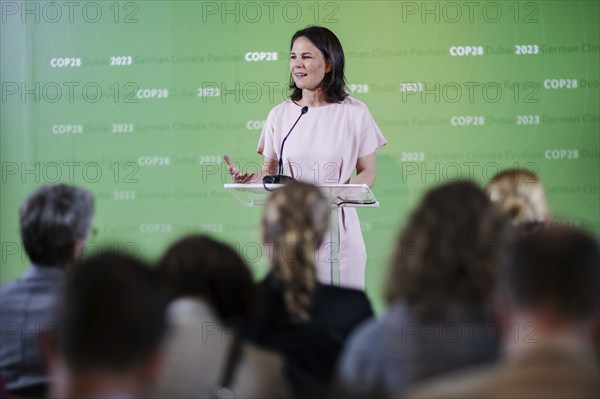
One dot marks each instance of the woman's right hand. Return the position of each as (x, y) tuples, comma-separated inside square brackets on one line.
[(235, 173)]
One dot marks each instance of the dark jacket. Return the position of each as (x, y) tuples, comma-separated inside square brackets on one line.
[(311, 349)]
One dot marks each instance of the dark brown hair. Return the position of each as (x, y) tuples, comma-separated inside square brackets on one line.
[(448, 251), (200, 266), (334, 82), (557, 269), (113, 309)]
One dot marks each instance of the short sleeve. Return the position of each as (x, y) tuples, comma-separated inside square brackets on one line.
[(371, 138), (266, 142)]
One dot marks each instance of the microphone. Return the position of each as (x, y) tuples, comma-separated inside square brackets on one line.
[(280, 178)]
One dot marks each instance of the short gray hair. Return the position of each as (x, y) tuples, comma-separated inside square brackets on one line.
[(52, 219)]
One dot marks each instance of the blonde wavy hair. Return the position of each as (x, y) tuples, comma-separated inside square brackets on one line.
[(295, 220), (519, 194)]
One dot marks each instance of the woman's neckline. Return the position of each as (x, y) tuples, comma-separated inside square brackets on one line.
[(318, 107)]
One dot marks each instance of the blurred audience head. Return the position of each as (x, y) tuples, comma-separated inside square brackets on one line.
[(519, 194), (113, 312), (554, 273), (198, 266), (448, 252), (295, 220), (55, 223)]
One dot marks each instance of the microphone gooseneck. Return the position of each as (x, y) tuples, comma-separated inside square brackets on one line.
[(280, 178)]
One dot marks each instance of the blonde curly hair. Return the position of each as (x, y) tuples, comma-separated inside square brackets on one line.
[(519, 194)]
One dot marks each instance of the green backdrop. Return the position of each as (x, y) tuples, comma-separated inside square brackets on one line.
[(137, 101)]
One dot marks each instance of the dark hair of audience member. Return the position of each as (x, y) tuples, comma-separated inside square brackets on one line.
[(448, 252), (200, 266), (519, 194), (114, 310), (295, 220), (555, 268), (334, 82), (52, 219)]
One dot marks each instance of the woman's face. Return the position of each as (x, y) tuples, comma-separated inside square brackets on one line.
[(307, 64)]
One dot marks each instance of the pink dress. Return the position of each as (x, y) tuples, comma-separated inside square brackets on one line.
[(324, 148)]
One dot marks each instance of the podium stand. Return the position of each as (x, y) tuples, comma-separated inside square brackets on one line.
[(339, 195)]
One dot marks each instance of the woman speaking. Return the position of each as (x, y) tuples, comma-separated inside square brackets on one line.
[(334, 135)]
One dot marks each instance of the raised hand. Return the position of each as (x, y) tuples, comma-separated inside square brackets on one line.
[(235, 173)]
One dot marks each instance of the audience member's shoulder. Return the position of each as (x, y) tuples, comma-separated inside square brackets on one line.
[(341, 308), (8, 287), (470, 383), (365, 334), (325, 291), (376, 331), (263, 374), (47, 277), (259, 357)]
